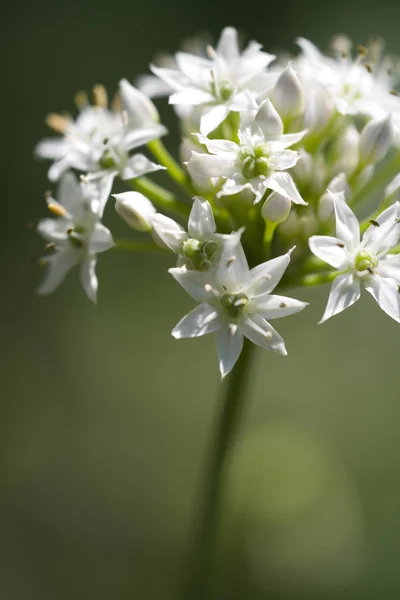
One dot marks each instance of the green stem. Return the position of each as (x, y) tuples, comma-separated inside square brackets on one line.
[(234, 398), (380, 178), (175, 171), (137, 246), (160, 196), (314, 279)]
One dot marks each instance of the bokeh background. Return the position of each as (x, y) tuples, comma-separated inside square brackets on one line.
[(105, 420)]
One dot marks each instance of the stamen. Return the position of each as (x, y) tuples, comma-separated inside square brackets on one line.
[(57, 122), (211, 52), (230, 261), (362, 50), (268, 336), (116, 104), (282, 305), (57, 209), (100, 97), (368, 66), (373, 222), (125, 117), (341, 245), (50, 246)]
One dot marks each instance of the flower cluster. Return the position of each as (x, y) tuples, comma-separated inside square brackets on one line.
[(276, 155)]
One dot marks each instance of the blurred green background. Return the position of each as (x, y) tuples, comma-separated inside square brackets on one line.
[(106, 420)]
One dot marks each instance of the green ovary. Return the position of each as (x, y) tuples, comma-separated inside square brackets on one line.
[(256, 163), (365, 261), (234, 304)]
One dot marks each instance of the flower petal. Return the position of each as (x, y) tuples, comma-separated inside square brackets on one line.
[(284, 159), (210, 165), (229, 347), (275, 307), (168, 232), (58, 265), (233, 269), (283, 184), (390, 267), (329, 249), (200, 321), (269, 121), (344, 292), (347, 227), (228, 47), (88, 277), (101, 240), (213, 117), (201, 224), (382, 237), (51, 148), (260, 332), (386, 293), (197, 284), (138, 165), (263, 278)]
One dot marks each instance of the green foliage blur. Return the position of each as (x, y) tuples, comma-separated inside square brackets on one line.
[(106, 421)]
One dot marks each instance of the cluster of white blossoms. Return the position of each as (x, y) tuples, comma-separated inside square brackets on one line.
[(276, 155)]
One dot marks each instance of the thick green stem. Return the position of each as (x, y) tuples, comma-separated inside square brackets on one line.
[(200, 573), (161, 197), (174, 170)]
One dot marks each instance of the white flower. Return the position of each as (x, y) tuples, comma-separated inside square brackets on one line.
[(356, 86), (220, 84), (363, 261), (201, 246), (258, 162), (99, 140), (136, 210), (77, 235), (236, 302)]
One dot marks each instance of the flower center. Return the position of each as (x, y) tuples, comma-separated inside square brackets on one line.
[(223, 91), (234, 304), (107, 161), (199, 253), (365, 261), (257, 162)]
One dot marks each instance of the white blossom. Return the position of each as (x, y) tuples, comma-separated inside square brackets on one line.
[(224, 82), (362, 262), (258, 162), (77, 235), (356, 86), (136, 210), (236, 302), (198, 248), (100, 140)]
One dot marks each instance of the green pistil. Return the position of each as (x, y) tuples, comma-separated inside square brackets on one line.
[(234, 304), (365, 261)]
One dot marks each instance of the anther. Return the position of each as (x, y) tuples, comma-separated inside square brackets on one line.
[(59, 123), (368, 67), (84, 179), (282, 305), (50, 246), (57, 209), (395, 93), (268, 336), (230, 261), (125, 117), (340, 244), (208, 287), (362, 50), (81, 99), (373, 222), (99, 96)]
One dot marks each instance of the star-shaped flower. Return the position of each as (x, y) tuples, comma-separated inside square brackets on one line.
[(220, 84), (100, 140), (77, 235), (362, 262), (258, 162), (236, 302)]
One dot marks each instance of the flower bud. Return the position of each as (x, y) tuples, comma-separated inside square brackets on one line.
[(318, 111), (375, 140), (303, 170), (136, 210), (287, 94), (344, 154), (141, 111), (291, 227), (276, 208)]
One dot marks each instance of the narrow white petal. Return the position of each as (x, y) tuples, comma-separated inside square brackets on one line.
[(51, 148), (390, 267), (210, 165), (347, 227), (200, 321), (276, 307), (260, 332), (88, 277), (57, 169), (138, 165), (141, 110), (382, 237), (283, 184), (284, 159), (263, 278), (344, 292), (197, 284), (192, 97), (201, 224), (288, 139), (174, 78), (212, 118), (58, 265), (229, 347), (329, 249), (138, 137), (69, 192), (386, 293), (228, 46), (54, 230), (169, 232), (233, 270), (101, 240), (218, 146)]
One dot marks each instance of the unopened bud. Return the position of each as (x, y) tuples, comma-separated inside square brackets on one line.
[(287, 95), (338, 185), (375, 140), (344, 153), (303, 171), (291, 227), (318, 111), (141, 110), (136, 210), (268, 119), (276, 208)]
